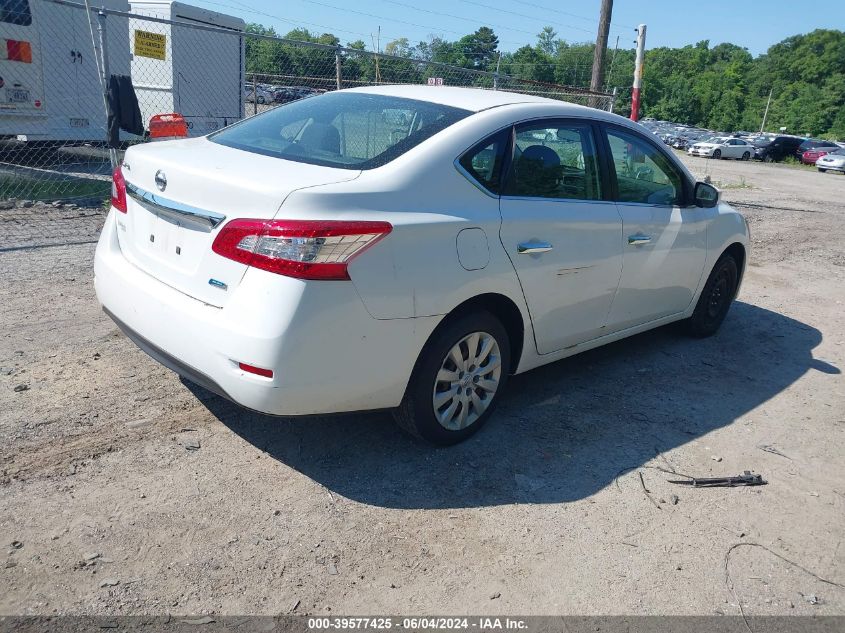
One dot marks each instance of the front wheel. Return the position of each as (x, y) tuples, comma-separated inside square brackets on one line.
[(821, 170), (715, 299), (261, 100), (717, 154), (457, 381)]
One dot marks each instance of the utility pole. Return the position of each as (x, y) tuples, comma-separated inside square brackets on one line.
[(612, 63), (601, 45), (766, 113), (638, 73)]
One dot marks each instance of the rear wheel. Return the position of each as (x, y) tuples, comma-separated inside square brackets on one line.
[(746, 155), (715, 299), (457, 381), (717, 154), (261, 100), (821, 170)]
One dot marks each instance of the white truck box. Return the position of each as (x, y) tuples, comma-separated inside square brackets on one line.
[(53, 93), (196, 73)]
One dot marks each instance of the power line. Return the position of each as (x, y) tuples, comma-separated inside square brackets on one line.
[(456, 17), (521, 15), (300, 23), (571, 15)]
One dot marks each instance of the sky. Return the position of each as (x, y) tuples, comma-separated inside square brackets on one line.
[(754, 24)]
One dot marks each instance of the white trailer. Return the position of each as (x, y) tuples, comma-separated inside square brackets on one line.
[(49, 82), (195, 72)]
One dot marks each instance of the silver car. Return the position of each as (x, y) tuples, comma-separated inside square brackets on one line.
[(834, 161)]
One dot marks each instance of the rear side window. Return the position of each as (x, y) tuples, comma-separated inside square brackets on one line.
[(345, 130), (15, 12), (484, 162), (554, 160), (643, 174)]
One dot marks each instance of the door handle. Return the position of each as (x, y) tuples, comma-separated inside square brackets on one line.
[(530, 248), (639, 238)]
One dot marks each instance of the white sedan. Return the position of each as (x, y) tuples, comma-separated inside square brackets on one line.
[(722, 147), (323, 257)]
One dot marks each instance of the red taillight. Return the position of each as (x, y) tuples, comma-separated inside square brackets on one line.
[(305, 249), (168, 126), (118, 190), (17, 51), (259, 371)]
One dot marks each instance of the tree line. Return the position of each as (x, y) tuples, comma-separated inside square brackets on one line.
[(722, 87)]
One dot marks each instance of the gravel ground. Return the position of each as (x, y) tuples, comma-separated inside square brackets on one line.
[(127, 491)]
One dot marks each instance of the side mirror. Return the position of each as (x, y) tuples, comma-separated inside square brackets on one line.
[(706, 195)]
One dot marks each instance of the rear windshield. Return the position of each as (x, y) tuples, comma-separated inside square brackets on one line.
[(343, 129), (15, 12)]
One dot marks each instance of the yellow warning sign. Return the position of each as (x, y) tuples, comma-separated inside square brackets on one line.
[(148, 44)]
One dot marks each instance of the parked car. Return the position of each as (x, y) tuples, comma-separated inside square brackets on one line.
[(775, 148), (832, 161), (810, 156), (314, 259), (286, 94), (722, 147), (812, 145), (257, 93)]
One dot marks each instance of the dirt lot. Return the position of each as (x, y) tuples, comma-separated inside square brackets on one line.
[(129, 492)]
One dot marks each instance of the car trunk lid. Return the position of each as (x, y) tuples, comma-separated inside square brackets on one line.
[(181, 193)]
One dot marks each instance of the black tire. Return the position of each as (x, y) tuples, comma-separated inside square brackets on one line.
[(261, 100), (717, 154), (715, 299), (416, 413), (768, 159), (746, 156), (821, 170)]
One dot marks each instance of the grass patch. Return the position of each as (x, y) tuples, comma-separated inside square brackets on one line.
[(794, 162), (740, 184), (24, 188)]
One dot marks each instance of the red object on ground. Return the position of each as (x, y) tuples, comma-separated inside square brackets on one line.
[(168, 126)]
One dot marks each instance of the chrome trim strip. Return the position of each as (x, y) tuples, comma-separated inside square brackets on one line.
[(176, 211)]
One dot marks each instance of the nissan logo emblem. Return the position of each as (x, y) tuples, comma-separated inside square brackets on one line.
[(161, 180)]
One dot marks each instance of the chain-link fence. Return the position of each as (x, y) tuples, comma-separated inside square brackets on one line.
[(59, 80)]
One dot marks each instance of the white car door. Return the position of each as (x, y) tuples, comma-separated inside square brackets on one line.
[(561, 231), (664, 238)]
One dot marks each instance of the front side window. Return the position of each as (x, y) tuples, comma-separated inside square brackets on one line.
[(554, 160), (344, 130), (15, 12), (643, 174)]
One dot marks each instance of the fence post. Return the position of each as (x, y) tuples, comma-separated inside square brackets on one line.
[(337, 68), (104, 77), (254, 95), (612, 101)]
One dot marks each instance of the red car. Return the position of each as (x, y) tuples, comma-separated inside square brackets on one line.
[(812, 149), (812, 155)]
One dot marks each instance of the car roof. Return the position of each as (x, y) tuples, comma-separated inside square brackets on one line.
[(473, 99)]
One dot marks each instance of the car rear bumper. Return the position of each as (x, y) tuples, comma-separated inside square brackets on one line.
[(327, 353)]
